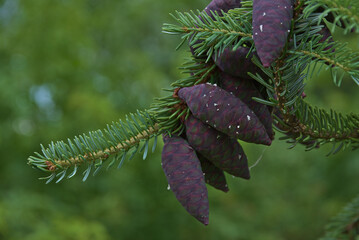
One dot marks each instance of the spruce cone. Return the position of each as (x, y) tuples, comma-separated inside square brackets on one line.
[(224, 112), (326, 34), (185, 177), (217, 6)]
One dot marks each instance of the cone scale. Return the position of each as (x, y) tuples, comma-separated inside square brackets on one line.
[(224, 152), (224, 112)]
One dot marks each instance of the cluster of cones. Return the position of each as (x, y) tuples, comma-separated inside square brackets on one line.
[(220, 115)]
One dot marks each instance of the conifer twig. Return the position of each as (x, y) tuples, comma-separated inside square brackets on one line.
[(103, 154)]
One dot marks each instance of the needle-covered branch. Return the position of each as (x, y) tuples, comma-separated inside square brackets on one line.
[(170, 111), (95, 148), (284, 81)]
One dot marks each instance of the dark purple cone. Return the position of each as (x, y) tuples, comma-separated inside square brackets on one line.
[(246, 90), (271, 25), (213, 175), (224, 112), (224, 152), (237, 63), (331, 18), (185, 177)]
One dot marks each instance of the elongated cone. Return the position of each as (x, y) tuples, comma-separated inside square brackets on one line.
[(246, 90), (271, 25), (329, 16), (326, 36), (213, 175), (325, 32), (237, 63), (224, 112), (224, 152), (185, 177), (222, 5)]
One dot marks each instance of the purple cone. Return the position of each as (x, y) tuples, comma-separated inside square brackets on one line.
[(331, 18), (224, 112), (185, 177), (271, 25), (224, 152), (213, 175), (246, 90)]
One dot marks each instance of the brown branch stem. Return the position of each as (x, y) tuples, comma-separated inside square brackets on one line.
[(242, 34)]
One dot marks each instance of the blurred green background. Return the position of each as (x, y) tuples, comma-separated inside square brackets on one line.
[(68, 67)]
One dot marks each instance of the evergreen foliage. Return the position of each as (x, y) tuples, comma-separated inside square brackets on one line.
[(342, 13), (282, 81), (346, 224)]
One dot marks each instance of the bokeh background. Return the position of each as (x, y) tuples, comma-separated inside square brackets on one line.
[(68, 67)]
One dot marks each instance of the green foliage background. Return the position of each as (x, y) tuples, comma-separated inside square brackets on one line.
[(68, 67)]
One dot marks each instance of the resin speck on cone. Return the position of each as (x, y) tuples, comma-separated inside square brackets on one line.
[(213, 175), (237, 62), (185, 177), (245, 90)]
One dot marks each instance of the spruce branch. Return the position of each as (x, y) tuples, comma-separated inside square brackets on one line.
[(336, 55), (209, 36), (344, 12), (346, 224), (299, 120), (95, 148), (284, 81), (313, 127)]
